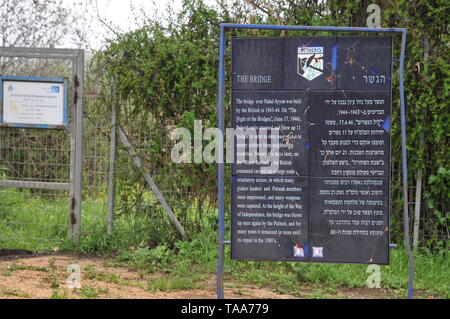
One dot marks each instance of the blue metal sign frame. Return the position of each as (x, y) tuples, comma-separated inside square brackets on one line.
[(59, 80), (221, 123)]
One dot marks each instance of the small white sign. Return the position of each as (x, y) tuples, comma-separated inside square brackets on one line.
[(298, 251), (37, 103), (318, 252)]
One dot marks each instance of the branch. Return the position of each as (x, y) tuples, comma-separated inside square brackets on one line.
[(103, 22), (257, 6)]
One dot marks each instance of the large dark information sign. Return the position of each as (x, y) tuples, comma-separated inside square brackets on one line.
[(327, 200)]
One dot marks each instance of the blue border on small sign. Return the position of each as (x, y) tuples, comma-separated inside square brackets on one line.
[(60, 80)]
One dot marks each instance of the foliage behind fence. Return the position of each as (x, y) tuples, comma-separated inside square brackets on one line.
[(166, 75)]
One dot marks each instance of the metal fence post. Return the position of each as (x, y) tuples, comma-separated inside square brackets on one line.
[(78, 164), (73, 114), (112, 159)]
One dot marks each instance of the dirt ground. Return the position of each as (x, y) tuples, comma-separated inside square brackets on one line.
[(44, 276)]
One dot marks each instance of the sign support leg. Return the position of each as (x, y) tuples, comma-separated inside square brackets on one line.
[(405, 171), (221, 256)]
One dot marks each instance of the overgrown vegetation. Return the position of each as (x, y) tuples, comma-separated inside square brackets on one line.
[(167, 77), (190, 263), (166, 74), (187, 264)]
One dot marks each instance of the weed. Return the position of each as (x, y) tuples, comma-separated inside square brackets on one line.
[(89, 272), (158, 284), (178, 283), (14, 293), (171, 283), (54, 282), (111, 278), (238, 292), (318, 294), (51, 263), (144, 258), (59, 294), (14, 267), (90, 292)]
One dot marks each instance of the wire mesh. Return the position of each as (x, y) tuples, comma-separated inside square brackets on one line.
[(34, 219), (96, 150), (150, 138)]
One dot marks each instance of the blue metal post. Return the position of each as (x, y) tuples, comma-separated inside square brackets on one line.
[(405, 169), (220, 263), (309, 28)]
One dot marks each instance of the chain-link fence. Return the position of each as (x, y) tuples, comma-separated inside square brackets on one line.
[(36, 217), (39, 217)]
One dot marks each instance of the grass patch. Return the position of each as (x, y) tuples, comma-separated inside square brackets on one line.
[(32, 223), (111, 278), (14, 293), (185, 264), (90, 292), (432, 274), (59, 294), (15, 267), (197, 260), (171, 284), (144, 258)]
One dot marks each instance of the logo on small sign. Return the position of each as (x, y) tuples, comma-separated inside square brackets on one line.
[(10, 88), (55, 89), (298, 251), (318, 252), (310, 62)]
